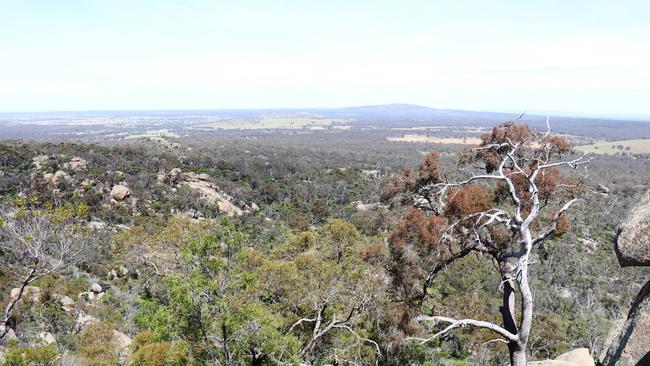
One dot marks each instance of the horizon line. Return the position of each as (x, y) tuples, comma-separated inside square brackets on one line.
[(566, 114)]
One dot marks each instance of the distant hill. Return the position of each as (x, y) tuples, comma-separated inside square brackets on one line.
[(404, 111), (55, 124), (385, 112)]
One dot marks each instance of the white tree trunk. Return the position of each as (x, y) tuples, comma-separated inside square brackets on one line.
[(518, 351), (518, 357)]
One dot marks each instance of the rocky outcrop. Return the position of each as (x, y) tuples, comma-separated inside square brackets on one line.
[(201, 184), (193, 214), (191, 176), (67, 304), (577, 357), (96, 292), (33, 293), (632, 245), (174, 175), (120, 192), (360, 206), (161, 178), (47, 338), (118, 273), (61, 177), (602, 189), (77, 164), (632, 347), (30, 292), (96, 225), (10, 336), (209, 191), (40, 161), (86, 184), (58, 179), (162, 141), (552, 363), (611, 337)]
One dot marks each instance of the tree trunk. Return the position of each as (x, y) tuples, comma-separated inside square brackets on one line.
[(226, 352), (524, 289), (10, 306), (518, 349), (258, 357), (517, 355), (508, 305)]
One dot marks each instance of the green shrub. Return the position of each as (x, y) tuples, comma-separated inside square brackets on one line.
[(31, 356), (148, 352), (96, 344)]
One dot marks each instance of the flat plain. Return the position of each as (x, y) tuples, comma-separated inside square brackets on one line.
[(636, 146)]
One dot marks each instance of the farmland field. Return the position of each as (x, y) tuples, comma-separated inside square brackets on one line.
[(435, 140), (638, 146)]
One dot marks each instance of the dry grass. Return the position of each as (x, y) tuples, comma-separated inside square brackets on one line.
[(640, 146)]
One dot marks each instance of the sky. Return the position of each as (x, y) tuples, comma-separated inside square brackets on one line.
[(580, 56)]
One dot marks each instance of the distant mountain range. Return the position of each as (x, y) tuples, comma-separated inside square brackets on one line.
[(385, 112), (99, 123)]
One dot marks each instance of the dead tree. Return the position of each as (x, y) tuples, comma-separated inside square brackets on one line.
[(512, 200), (34, 244), (322, 325)]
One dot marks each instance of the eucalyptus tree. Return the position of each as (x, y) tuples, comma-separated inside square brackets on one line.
[(512, 198), (35, 243)]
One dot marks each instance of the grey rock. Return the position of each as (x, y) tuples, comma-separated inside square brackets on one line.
[(632, 244), (602, 189), (96, 288), (576, 357), (632, 346), (76, 164), (120, 192), (47, 338)]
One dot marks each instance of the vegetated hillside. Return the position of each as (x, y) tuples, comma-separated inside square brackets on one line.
[(264, 248)]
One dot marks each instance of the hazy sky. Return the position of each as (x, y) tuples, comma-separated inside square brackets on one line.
[(586, 56)]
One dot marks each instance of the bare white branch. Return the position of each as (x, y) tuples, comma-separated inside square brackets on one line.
[(454, 323)]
